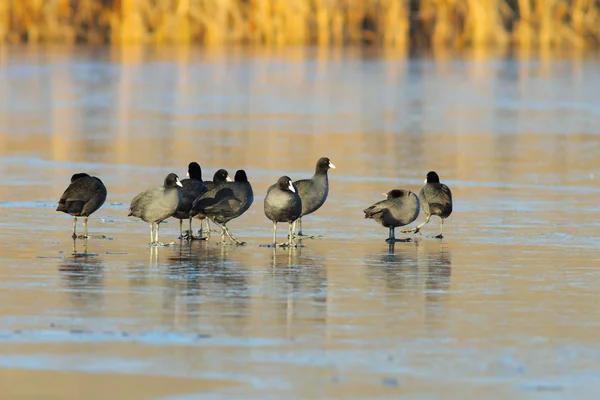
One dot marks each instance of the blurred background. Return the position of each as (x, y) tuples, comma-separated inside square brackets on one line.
[(397, 23)]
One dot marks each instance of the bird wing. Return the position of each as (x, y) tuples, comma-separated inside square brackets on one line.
[(376, 208), (214, 200), (81, 190), (303, 186)]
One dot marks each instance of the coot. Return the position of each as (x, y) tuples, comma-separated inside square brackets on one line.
[(400, 208), (82, 198), (225, 202), (157, 204), (191, 189), (283, 204), (436, 199), (314, 191)]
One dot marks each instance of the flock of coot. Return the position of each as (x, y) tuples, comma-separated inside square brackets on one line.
[(224, 199)]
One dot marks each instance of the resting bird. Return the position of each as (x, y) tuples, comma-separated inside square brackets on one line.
[(282, 204), (219, 177), (157, 204), (400, 208), (225, 202), (436, 199), (314, 191), (82, 198), (191, 189)]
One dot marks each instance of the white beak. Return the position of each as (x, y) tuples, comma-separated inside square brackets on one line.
[(229, 179), (178, 183), (384, 194), (291, 187), (188, 174), (425, 181), (331, 165)]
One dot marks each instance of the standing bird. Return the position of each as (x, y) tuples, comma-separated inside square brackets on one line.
[(314, 191), (82, 198), (283, 204), (157, 204), (219, 177), (400, 208), (225, 202), (191, 189), (436, 199)]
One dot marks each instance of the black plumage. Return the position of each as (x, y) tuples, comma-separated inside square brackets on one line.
[(399, 209), (191, 189), (225, 202), (436, 199), (283, 204), (314, 191), (84, 196)]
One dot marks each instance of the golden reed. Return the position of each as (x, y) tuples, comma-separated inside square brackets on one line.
[(397, 23)]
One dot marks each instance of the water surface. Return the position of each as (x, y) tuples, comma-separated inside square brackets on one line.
[(505, 305)]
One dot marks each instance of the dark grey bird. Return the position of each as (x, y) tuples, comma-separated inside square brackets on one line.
[(225, 202), (400, 208), (219, 177), (82, 198), (157, 204), (191, 189), (314, 191), (283, 204), (436, 199)]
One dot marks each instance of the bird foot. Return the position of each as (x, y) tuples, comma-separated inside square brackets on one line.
[(90, 237), (161, 244), (303, 236), (406, 240), (190, 236), (438, 236), (290, 245)]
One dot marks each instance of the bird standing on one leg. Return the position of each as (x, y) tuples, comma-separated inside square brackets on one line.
[(400, 208), (82, 198), (436, 199)]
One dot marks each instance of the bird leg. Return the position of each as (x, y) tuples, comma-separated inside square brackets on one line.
[(222, 242), (290, 243), (74, 235), (156, 242), (181, 230), (440, 236), (418, 228), (274, 234), (152, 234), (191, 234), (238, 242), (300, 234), (85, 231), (391, 237)]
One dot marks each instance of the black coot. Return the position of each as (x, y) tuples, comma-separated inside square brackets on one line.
[(157, 204), (314, 191), (400, 208), (283, 204), (191, 189), (219, 177), (436, 199), (225, 202), (82, 198)]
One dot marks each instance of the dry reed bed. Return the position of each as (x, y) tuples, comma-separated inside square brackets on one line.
[(398, 23)]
